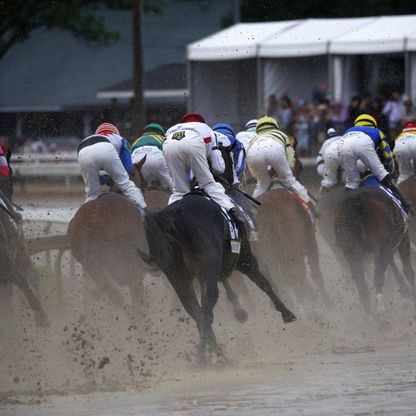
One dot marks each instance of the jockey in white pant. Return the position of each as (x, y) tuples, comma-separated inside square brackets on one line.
[(269, 148), (187, 148), (405, 151), (151, 146), (328, 160), (360, 143), (107, 150)]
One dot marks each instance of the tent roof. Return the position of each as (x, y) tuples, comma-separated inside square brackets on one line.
[(236, 42), (387, 34), (311, 37)]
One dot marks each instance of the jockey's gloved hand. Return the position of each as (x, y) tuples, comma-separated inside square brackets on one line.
[(238, 216), (105, 180), (389, 182), (314, 209), (239, 187)]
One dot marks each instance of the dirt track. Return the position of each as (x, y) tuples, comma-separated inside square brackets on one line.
[(328, 362)]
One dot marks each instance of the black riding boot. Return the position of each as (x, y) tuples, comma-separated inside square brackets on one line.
[(239, 220)]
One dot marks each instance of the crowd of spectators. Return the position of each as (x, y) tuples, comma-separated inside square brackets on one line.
[(309, 121)]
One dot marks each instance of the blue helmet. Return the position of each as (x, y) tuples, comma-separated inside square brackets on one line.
[(226, 129)]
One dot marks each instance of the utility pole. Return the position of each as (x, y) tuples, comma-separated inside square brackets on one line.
[(138, 110)]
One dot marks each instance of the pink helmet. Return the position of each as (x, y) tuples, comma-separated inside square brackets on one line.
[(107, 128)]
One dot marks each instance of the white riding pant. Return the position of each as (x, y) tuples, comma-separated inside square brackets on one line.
[(103, 156), (331, 165), (358, 146), (155, 167), (188, 154), (405, 151), (267, 152)]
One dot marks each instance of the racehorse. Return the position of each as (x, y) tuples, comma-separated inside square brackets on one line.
[(107, 238), (15, 263), (369, 222), (408, 188), (286, 238), (189, 239)]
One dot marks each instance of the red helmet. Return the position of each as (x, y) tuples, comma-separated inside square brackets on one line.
[(410, 125), (107, 128), (193, 117)]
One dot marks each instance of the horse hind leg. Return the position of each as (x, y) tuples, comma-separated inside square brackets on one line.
[(358, 276), (247, 264), (41, 319), (405, 256), (240, 314)]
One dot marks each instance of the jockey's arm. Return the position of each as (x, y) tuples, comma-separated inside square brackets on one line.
[(125, 156), (386, 154)]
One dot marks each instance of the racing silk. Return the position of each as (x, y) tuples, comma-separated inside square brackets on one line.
[(409, 134), (245, 138), (121, 145), (200, 130), (4, 166), (149, 140), (279, 137), (379, 141)]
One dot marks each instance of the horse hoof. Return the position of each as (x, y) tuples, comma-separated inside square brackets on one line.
[(41, 320), (240, 315), (288, 317)]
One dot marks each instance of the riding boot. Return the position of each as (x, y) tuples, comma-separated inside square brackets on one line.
[(389, 183)]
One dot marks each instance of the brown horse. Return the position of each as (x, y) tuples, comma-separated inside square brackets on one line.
[(107, 238), (15, 263), (369, 223), (286, 238)]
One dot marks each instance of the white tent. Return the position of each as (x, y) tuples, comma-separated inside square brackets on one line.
[(233, 71), (223, 71)]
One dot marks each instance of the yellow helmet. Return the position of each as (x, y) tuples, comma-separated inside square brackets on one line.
[(266, 123), (365, 120)]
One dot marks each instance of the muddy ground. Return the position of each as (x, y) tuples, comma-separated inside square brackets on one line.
[(97, 359)]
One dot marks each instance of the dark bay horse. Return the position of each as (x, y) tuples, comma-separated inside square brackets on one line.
[(369, 223), (408, 188), (286, 238), (189, 239)]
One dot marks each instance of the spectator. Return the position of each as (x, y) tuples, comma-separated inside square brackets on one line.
[(286, 115), (272, 107), (409, 113), (354, 110), (394, 110)]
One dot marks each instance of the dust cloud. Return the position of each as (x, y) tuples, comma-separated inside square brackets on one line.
[(92, 345)]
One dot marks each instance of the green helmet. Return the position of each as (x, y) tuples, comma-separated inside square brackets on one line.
[(154, 128)]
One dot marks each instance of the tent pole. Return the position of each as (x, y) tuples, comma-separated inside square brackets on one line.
[(259, 87), (407, 70), (189, 85)]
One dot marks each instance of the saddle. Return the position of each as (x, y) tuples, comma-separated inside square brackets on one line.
[(233, 232)]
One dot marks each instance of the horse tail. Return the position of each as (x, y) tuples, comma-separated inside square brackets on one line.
[(159, 241), (349, 224)]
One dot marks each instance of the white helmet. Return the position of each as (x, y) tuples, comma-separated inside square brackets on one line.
[(251, 125)]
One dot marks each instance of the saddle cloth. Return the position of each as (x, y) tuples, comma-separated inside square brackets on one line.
[(372, 181)]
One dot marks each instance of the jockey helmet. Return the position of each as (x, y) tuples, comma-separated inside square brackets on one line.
[(365, 120), (224, 128), (154, 128), (266, 123), (107, 128), (192, 117), (410, 125), (330, 133), (251, 125)]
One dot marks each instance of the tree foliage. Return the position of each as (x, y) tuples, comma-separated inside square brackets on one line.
[(271, 10), (18, 18)]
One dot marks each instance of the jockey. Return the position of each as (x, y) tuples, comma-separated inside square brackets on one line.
[(151, 146), (271, 148), (405, 151), (188, 147), (4, 166), (245, 136), (361, 142), (225, 135), (108, 151), (328, 160)]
